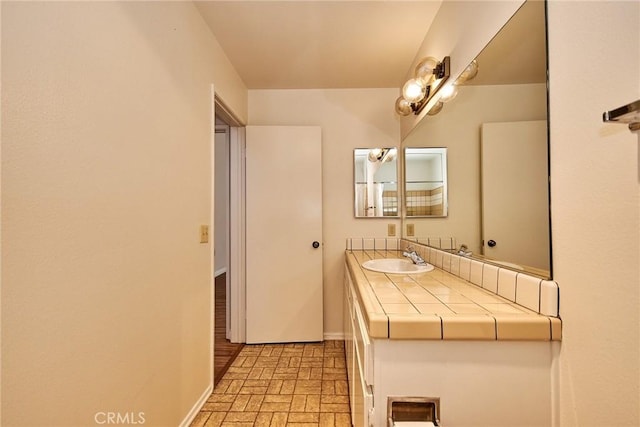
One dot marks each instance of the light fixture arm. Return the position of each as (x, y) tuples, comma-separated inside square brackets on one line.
[(441, 72)]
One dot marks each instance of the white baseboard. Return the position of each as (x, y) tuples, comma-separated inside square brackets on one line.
[(334, 336), (219, 272), (196, 408)]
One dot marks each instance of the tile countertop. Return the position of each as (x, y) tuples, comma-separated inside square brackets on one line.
[(440, 306)]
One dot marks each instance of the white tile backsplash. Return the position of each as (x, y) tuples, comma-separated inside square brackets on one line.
[(434, 255), (490, 278), (476, 272), (465, 268), (368, 244), (528, 291), (507, 284), (373, 243), (439, 255), (549, 298), (356, 244), (446, 262), (447, 243), (434, 242), (392, 244), (455, 265)]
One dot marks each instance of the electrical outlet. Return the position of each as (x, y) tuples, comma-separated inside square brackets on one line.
[(204, 234), (410, 230), (391, 230)]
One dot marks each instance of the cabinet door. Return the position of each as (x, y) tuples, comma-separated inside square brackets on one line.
[(348, 337), (363, 367), (362, 404), (363, 346)]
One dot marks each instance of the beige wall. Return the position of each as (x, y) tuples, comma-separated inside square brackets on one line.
[(106, 172), (457, 127), (595, 209), (350, 118)]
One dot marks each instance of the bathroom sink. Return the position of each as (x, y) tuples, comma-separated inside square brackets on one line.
[(396, 266)]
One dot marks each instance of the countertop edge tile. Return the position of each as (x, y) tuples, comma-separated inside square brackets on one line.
[(407, 326), (556, 329), (529, 328), (468, 327)]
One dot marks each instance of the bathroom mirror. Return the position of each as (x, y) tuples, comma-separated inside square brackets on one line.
[(425, 182), (376, 191), (509, 90)]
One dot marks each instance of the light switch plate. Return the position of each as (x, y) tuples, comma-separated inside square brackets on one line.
[(204, 234), (410, 230), (391, 230)]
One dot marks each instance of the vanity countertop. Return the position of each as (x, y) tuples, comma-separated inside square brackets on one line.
[(437, 305)]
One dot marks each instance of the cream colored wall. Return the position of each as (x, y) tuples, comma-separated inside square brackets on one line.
[(595, 178), (350, 118), (457, 127), (106, 177)]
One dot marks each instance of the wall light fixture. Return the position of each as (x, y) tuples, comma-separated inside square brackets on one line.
[(428, 78), (427, 83)]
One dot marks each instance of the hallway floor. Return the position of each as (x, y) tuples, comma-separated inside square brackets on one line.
[(279, 385), (224, 350)]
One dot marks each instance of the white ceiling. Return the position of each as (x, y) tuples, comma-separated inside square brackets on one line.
[(308, 44)]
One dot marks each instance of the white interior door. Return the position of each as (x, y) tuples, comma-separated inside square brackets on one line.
[(283, 220), (515, 193)]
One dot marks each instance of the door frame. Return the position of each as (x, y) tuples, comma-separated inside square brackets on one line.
[(236, 283), (237, 241)]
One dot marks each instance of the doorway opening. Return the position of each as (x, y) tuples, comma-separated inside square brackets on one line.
[(227, 294)]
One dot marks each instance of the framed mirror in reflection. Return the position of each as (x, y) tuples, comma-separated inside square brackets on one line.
[(425, 182), (376, 182), (495, 132)]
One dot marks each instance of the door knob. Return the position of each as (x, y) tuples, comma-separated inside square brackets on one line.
[(315, 245), (491, 243)]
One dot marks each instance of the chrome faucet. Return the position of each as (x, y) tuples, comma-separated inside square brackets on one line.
[(464, 250), (413, 256)]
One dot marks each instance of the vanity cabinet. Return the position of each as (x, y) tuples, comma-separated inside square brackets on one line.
[(479, 382), (359, 358)]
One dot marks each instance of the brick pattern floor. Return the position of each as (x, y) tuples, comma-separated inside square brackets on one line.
[(280, 385)]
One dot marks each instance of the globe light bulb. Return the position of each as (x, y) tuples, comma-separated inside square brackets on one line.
[(425, 70), (470, 72), (435, 109), (374, 154), (447, 93), (414, 90), (403, 107)]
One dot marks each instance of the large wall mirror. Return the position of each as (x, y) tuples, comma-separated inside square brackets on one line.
[(425, 182), (495, 133), (376, 182)]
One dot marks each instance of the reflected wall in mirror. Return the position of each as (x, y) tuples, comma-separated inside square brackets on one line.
[(511, 86), (425, 182), (376, 182)]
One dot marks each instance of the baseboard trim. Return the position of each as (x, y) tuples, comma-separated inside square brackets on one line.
[(334, 336), (219, 272), (196, 408)]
